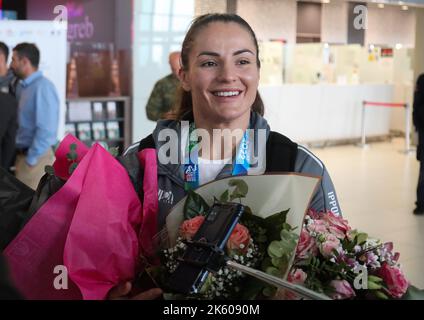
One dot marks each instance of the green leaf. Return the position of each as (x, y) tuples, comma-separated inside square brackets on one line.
[(72, 156), (278, 262), (49, 170), (72, 167), (114, 151), (240, 190), (269, 291), (195, 205), (224, 196), (252, 288), (266, 263), (73, 146), (275, 223), (413, 293), (381, 295), (374, 286), (375, 279), (275, 249), (273, 271), (361, 238)]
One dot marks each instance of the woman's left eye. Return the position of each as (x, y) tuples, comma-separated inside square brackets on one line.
[(244, 61), (208, 64)]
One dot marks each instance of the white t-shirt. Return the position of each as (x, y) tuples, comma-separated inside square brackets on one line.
[(209, 169)]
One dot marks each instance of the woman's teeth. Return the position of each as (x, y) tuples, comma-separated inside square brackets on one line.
[(226, 93)]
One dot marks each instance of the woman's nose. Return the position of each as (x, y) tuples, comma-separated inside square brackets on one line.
[(227, 73)]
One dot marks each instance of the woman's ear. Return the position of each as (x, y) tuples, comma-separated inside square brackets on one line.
[(184, 78)]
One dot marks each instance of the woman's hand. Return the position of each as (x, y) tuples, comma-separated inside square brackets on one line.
[(121, 291)]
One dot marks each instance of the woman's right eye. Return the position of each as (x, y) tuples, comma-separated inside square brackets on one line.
[(208, 64)]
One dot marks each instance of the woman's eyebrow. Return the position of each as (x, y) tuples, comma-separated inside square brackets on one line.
[(242, 51), (208, 53), (215, 54)]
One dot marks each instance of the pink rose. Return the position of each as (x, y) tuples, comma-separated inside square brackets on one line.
[(330, 244), (296, 276), (394, 279), (342, 290), (239, 239), (337, 232), (317, 226), (337, 225), (314, 214), (189, 227), (306, 245)]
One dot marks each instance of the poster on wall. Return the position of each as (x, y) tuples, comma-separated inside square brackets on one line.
[(50, 38)]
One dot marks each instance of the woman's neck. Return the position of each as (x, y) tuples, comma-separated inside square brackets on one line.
[(224, 137)]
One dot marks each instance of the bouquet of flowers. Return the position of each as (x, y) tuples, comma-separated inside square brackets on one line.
[(82, 211), (343, 263), (261, 243), (79, 226), (329, 257)]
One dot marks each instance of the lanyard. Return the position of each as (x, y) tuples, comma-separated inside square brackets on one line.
[(191, 167)]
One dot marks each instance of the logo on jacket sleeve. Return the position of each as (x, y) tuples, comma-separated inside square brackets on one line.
[(166, 196)]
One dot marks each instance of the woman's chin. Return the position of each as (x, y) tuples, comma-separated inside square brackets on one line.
[(230, 115)]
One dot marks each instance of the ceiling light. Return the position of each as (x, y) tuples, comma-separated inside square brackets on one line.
[(381, 5), (404, 8), (399, 46)]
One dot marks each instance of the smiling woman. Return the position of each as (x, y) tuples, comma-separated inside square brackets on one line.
[(219, 97), (219, 76)]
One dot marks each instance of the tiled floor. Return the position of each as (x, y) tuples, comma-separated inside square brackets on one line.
[(376, 189)]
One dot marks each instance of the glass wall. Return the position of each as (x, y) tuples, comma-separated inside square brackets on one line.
[(159, 28)]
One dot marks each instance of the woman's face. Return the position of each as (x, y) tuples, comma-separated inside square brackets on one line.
[(222, 73)]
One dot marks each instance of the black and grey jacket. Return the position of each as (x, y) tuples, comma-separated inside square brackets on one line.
[(282, 155)]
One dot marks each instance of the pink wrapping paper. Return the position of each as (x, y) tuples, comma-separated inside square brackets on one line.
[(149, 228), (91, 225), (62, 163)]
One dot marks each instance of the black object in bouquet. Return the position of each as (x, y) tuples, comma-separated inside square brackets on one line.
[(18, 203), (206, 250)]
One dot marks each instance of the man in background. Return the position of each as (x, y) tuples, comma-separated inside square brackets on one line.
[(418, 119), (8, 81), (8, 126), (8, 111), (38, 116), (162, 98)]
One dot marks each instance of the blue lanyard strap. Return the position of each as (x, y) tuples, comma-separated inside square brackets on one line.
[(191, 168)]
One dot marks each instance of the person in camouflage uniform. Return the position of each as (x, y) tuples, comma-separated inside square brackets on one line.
[(161, 99)]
